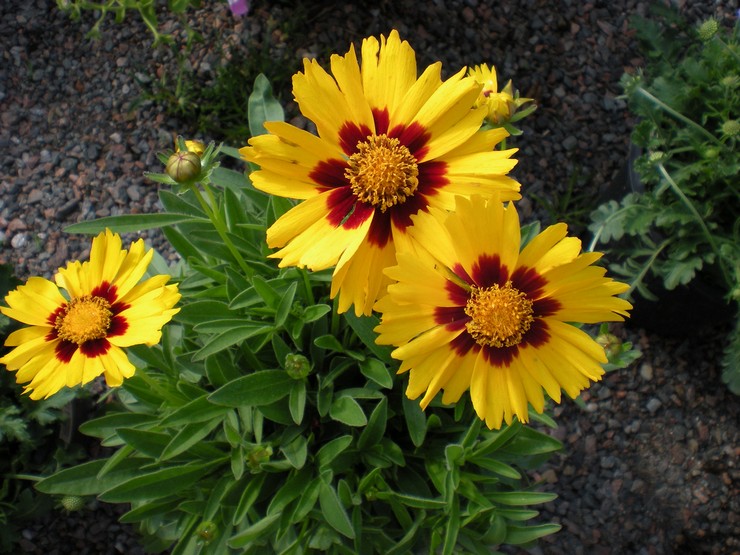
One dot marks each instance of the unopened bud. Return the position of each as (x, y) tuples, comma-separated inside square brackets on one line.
[(193, 146), (297, 366), (73, 503), (206, 532), (708, 29), (731, 127), (183, 166), (611, 343), (258, 455)]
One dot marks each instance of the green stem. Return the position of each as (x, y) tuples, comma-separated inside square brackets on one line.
[(679, 116), (707, 233), (215, 216), (644, 270)]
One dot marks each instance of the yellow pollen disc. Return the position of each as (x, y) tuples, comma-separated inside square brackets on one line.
[(382, 172), (499, 316), (84, 319)]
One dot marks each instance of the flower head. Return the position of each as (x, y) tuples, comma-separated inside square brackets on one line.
[(389, 145), (501, 104), (470, 311), (73, 338)]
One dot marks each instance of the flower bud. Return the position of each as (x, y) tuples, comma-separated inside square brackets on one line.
[(258, 455), (731, 127), (656, 157), (611, 343), (183, 166), (708, 29), (73, 503), (206, 532), (297, 366)]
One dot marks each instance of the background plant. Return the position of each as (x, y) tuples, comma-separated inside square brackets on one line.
[(684, 221)]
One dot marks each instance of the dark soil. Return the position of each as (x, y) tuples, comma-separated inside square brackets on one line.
[(650, 465)]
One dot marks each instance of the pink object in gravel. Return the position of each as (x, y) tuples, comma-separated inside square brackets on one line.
[(239, 8)]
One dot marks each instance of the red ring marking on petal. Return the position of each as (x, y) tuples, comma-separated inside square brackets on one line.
[(546, 306), (432, 176), (463, 344), (382, 120), (64, 350), (528, 281), (453, 318), (118, 326), (380, 232), (344, 210), (350, 134), (95, 348), (414, 137), (330, 173), (488, 271)]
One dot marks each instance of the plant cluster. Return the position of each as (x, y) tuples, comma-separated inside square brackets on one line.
[(681, 222), (270, 410)]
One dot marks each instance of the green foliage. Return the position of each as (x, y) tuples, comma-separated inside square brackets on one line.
[(267, 423), (685, 220), (147, 10)]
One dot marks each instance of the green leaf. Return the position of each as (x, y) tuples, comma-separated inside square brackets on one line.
[(521, 497), (518, 535), (297, 401), (158, 484), (149, 510), (249, 495), (364, 327), (375, 429), (500, 468), (258, 389), (262, 526), (228, 338), (197, 312), (416, 420), (262, 106), (83, 479), (107, 425), (128, 223), (329, 342), (197, 410), (332, 449), (147, 443), (453, 527), (296, 452), (286, 303), (188, 436), (413, 500), (334, 512), (347, 411), (377, 371)]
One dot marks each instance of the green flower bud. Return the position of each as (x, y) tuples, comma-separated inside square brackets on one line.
[(708, 29), (731, 127), (73, 503), (711, 153), (731, 81), (183, 166), (611, 343), (258, 455), (206, 532), (297, 366), (656, 157)]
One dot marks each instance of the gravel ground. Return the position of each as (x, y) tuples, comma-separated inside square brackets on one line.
[(651, 464)]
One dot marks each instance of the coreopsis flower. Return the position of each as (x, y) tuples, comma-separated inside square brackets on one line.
[(390, 144), (501, 104), (470, 311), (74, 337)]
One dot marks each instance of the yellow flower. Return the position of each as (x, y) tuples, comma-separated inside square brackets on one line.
[(76, 337), (390, 144), (470, 311), (501, 104)]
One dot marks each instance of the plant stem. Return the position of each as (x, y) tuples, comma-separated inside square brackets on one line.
[(215, 216), (679, 116), (644, 270), (707, 233)]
